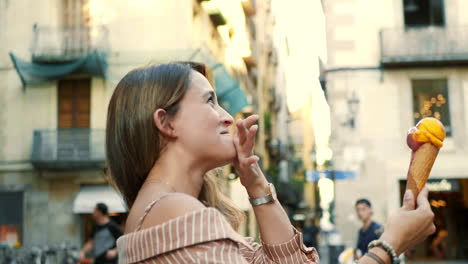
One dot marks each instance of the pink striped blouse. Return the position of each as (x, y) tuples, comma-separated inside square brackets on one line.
[(205, 236)]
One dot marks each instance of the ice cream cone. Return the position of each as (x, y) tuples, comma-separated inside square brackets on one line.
[(420, 167), (425, 140)]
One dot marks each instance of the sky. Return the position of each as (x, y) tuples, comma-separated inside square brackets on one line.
[(304, 29)]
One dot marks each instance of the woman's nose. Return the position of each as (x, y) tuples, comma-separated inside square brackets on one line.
[(227, 120)]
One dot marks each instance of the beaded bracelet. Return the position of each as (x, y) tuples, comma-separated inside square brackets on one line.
[(385, 246)]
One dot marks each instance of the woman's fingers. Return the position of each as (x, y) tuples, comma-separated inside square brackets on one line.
[(244, 160), (244, 142), (237, 145), (246, 131), (250, 141), (249, 121), (243, 125), (241, 131), (425, 208), (422, 201), (408, 200), (248, 161)]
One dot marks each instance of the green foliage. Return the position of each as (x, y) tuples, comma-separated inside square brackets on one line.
[(297, 184), (327, 164), (267, 122), (273, 173)]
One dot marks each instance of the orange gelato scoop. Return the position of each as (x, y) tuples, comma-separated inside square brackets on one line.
[(425, 140), (428, 130)]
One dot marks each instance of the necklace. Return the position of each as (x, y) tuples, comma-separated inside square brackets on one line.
[(159, 183)]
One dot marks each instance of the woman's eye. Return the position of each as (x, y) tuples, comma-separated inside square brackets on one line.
[(211, 100)]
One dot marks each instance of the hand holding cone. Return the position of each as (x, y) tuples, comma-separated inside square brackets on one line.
[(425, 140)]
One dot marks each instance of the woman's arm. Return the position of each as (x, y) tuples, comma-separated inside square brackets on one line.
[(275, 227)]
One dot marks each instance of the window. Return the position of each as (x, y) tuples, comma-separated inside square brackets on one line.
[(430, 99), (76, 22), (11, 218), (420, 13)]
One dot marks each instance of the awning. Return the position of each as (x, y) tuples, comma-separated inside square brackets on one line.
[(229, 91), (35, 73), (230, 94), (90, 195)]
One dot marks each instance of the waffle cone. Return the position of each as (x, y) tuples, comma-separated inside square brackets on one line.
[(420, 167)]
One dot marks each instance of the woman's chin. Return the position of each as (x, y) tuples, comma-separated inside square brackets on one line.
[(221, 162), (226, 157)]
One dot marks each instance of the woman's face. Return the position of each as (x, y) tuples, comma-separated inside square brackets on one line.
[(202, 126)]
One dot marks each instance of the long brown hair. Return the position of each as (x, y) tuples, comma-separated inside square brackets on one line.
[(133, 142)]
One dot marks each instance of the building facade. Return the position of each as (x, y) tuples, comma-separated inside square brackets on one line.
[(391, 63), (59, 63)]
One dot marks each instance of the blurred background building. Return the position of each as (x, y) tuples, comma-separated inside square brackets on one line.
[(61, 59), (383, 65), (391, 63)]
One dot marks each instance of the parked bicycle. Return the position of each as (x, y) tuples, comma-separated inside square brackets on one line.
[(66, 253)]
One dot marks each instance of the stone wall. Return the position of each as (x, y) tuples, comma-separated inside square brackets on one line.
[(48, 204)]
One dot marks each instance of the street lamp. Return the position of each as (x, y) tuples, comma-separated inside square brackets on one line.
[(353, 105)]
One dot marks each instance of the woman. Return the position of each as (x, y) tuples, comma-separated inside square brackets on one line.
[(165, 132)]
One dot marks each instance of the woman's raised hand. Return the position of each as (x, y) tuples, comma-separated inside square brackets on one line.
[(246, 162), (411, 224)]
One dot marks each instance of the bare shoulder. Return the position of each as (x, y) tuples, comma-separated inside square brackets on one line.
[(170, 207)]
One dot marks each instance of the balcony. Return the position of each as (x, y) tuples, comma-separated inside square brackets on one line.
[(74, 148), (424, 46), (59, 45)]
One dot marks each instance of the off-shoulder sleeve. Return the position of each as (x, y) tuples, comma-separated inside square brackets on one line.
[(205, 236), (229, 251), (292, 251), (214, 252)]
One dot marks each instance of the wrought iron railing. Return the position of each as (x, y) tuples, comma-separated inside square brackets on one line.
[(55, 44), (424, 45), (73, 148)]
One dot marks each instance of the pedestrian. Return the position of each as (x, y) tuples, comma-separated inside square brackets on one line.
[(104, 236), (370, 229), (165, 132), (311, 233)]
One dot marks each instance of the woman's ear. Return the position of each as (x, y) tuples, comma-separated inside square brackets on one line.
[(162, 121)]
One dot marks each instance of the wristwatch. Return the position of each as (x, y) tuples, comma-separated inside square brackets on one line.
[(269, 198)]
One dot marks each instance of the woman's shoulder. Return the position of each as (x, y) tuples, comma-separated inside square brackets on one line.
[(151, 211), (190, 224), (171, 206)]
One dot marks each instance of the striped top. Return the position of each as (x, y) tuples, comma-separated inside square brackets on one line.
[(205, 236)]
